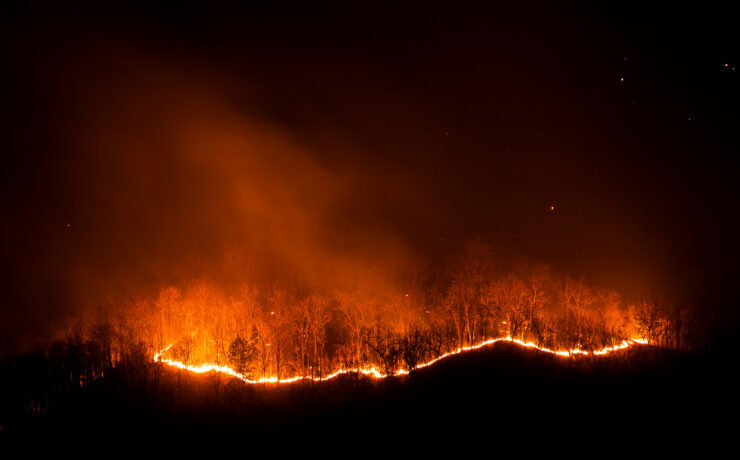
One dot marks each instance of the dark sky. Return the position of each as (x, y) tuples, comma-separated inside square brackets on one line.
[(146, 145)]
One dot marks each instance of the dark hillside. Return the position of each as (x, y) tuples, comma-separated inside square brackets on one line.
[(504, 388)]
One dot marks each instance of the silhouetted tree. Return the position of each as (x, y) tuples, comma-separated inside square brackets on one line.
[(243, 353)]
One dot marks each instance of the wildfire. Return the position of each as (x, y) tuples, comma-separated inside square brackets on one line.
[(375, 373)]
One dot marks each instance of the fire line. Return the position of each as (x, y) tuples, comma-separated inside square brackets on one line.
[(375, 373)]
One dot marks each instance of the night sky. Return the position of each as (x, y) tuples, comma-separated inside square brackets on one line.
[(145, 145)]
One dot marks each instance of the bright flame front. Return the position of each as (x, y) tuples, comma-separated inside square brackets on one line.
[(374, 373)]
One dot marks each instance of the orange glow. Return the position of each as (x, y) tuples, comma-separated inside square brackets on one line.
[(375, 373)]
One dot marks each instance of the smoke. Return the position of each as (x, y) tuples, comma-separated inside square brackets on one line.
[(150, 151), (161, 174)]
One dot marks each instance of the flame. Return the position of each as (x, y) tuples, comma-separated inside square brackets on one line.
[(375, 373)]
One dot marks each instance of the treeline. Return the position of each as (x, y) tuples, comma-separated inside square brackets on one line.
[(278, 331)]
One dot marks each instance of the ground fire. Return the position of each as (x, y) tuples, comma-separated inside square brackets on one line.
[(280, 335), (347, 221)]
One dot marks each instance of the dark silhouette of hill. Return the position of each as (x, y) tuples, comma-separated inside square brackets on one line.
[(498, 389)]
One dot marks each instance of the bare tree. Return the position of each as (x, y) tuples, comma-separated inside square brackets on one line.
[(577, 297), (385, 344), (464, 295), (167, 302), (650, 321), (281, 306), (317, 315), (414, 347), (356, 309)]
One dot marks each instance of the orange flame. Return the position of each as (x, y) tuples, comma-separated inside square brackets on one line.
[(375, 373)]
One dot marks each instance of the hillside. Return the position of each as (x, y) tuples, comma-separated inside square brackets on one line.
[(503, 386)]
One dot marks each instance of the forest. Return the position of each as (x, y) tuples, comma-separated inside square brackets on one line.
[(108, 363), (349, 224), (281, 332)]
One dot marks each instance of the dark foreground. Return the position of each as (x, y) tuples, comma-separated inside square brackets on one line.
[(502, 390)]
